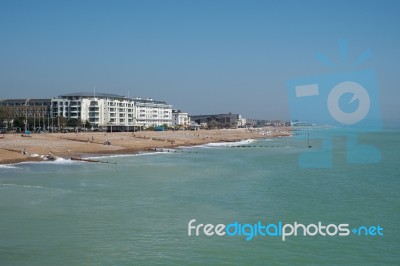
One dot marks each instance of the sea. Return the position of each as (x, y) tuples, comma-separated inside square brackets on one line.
[(138, 209)]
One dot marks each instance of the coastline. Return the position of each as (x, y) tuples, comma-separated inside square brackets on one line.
[(89, 144)]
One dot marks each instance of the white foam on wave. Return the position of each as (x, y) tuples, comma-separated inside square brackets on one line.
[(223, 144), (131, 155), (166, 151), (59, 160), (109, 156), (24, 186), (7, 166)]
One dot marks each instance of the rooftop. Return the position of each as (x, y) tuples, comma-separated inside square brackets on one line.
[(108, 95), (91, 94), (13, 102)]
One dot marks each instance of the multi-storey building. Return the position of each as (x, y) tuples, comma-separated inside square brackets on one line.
[(37, 112), (217, 121), (180, 118), (152, 113), (98, 109), (241, 121), (110, 110), (27, 107)]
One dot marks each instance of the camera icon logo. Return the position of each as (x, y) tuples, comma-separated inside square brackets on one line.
[(335, 105), (359, 93)]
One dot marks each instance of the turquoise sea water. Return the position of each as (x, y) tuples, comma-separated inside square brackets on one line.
[(137, 211)]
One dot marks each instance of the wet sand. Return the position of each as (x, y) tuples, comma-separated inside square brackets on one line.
[(83, 144)]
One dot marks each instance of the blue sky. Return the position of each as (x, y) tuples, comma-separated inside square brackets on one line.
[(200, 56)]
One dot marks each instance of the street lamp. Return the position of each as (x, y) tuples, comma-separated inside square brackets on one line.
[(26, 115)]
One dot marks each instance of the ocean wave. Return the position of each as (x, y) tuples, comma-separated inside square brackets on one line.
[(131, 155), (24, 186), (165, 151), (62, 161), (223, 144), (108, 156), (8, 166), (57, 161)]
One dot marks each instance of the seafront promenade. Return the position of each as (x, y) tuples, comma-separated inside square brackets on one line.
[(16, 148)]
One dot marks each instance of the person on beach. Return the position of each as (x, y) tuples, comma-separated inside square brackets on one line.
[(50, 156)]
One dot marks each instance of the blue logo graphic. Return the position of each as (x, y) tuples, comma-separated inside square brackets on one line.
[(340, 104)]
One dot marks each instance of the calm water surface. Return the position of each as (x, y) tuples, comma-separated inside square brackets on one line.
[(137, 211)]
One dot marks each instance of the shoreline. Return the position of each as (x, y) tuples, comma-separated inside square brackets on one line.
[(91, 144)]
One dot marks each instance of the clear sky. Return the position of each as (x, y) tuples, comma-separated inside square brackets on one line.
[(201, 56)]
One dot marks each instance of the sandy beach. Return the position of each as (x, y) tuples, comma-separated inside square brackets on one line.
[(84, 144)]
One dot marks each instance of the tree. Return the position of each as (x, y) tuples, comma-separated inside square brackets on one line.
[(74, 122), (61, 121), (5, 116), (31, 123), (150, 128), (213, 124), (19, 122), (87, 124)]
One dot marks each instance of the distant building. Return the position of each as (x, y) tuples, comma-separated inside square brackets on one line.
[(111, 110), (180, 118), (251, 123), (27, 107), (98, 109), (241, 121), (194, 126), (217, 121), (152, 113), (38, 109)]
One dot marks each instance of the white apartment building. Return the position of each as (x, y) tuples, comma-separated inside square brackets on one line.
[(241, 121), (103, 110), (152, 113), (180, 118)]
